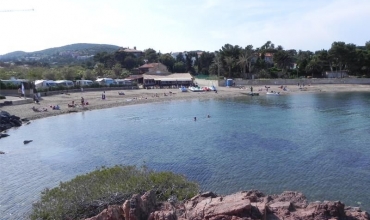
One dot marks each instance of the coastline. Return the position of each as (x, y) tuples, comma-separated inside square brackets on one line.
[(143, 96)]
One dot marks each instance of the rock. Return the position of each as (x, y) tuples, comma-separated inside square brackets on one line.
[(238, 206), (2, 152), (113, 212), (8, 121), (27, 141), (209, 207), (4, 135)]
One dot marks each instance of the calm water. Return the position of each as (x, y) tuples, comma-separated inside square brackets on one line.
[(314, 143)]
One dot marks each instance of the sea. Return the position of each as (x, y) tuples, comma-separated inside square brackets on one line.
[(317, 144)]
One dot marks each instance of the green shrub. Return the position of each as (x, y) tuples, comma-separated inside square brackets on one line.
[(87, 195)]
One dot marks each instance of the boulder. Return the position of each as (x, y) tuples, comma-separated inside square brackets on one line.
[(203, 207), (2, 135), (8, 121), (113, 212), (237, 206)]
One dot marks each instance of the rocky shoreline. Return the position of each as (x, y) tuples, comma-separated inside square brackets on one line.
[(8, 121), (251, 204)]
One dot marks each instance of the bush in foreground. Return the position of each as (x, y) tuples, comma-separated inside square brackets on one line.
[(87, 195)]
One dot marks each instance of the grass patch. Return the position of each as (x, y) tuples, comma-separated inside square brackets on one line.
[(87, 195)]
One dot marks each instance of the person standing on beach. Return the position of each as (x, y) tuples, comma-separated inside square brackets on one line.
[(82, 101), (103, 95)]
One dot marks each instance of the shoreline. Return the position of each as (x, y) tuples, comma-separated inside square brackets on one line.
[(143, 96)]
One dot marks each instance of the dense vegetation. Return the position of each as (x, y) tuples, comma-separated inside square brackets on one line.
[(87, 195), (266, 61)]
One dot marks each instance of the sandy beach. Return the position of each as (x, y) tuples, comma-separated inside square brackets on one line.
[(142, 96)]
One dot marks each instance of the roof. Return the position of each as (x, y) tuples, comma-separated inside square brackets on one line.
[(171, 77), (148, 65), (134, 77)]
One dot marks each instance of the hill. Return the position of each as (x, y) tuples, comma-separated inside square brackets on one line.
[(64, 54)]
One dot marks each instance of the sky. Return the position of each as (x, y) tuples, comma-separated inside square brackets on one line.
[(174, 25)]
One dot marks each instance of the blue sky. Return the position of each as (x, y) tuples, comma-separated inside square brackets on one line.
[(173, 25)]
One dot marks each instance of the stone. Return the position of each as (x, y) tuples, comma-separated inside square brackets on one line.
[(237, 206), (113, 212), (8, 121)]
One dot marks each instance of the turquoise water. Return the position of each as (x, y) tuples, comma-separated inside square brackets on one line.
[(313, 143)]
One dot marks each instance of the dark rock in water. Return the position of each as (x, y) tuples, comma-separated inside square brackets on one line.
[(25, 119), (4, 135), (8, 121), (1, 152), (27, 141)]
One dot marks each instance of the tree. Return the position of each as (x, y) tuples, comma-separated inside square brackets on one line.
[(150, 55), (284, 60), (338, 54), (117, 70), (302, 59), (129, 63), (217, 61), (68, 73), (204, 62), (89, 75), (180, 57), (189, 61), (179, 67), (50, 74), (230, 62), (314, 67), (245, 60), (99, 69), (168, 61)]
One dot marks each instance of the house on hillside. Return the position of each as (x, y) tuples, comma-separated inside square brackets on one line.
[(153, 68), (133, 51)]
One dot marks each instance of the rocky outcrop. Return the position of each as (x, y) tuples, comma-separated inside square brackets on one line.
[(8, 121), (242, 205)]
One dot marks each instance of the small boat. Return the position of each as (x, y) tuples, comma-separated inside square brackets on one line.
[(183, 89), (195, 89)]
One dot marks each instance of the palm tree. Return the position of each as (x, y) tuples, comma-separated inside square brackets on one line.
[(218, 62), (246, 59), (284, 60), (230, 63)]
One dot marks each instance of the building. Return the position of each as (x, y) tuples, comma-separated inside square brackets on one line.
[(153, 68), (133, 51), (175, 80)]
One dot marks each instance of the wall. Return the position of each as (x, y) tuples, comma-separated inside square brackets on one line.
[(242, 82)]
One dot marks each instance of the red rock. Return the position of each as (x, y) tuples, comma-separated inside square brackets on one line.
[(238, 206)]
